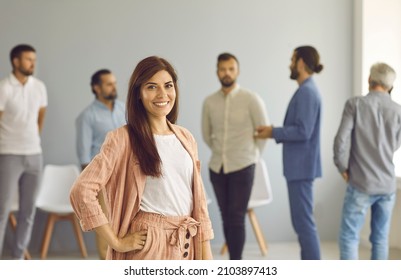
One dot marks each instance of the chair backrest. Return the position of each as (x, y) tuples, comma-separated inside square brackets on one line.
[(261, 191), (208, 199), (54, 194)]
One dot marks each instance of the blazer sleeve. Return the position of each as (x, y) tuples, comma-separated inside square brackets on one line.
[(94, 177), (206, 225), (306, 109)]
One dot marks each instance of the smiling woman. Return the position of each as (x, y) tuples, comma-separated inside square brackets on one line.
[(158, 97), (157, 204)]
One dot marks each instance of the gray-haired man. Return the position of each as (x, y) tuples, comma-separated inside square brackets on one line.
[(371, 127)]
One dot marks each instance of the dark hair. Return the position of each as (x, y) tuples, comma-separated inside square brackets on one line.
[(97, 77), (140, 133), (18, 50), (226, 56), (311, 58)]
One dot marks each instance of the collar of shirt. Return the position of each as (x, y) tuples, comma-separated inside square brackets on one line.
[(381, 94), (308, 80), (14, 81), (99, 104), (232, 93)]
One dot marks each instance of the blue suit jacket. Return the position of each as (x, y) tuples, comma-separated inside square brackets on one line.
[(300, 134)]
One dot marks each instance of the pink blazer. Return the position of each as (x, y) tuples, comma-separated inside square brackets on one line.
[(116, 170)]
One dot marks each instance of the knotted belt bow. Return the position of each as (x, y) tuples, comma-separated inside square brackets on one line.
[(178, 236)]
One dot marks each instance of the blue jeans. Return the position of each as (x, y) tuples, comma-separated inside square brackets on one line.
[(233, 191), (300, 194), (355, 207)]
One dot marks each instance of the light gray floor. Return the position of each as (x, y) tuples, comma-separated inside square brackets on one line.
[(291, 251), (276, 251)]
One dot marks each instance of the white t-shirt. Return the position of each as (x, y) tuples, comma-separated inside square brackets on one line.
[(171, 194), (20, 104)]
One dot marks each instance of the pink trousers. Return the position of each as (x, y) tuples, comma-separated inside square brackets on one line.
[(168, 238)]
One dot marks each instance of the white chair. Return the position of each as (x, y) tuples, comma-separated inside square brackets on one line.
[(54, 198), (261, 195), (13, 221), (208, 199)]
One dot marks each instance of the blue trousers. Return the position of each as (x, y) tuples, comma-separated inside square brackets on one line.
[(19, 175), (356, 205), (300, 195), (233, 191)]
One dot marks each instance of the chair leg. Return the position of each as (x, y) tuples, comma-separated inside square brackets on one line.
[(258, 232), (27, 255), (78, 234), (224, 249), (13, 223), (48, 234)]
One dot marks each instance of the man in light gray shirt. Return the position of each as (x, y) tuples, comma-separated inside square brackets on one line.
[(368, 136), (229, 119)]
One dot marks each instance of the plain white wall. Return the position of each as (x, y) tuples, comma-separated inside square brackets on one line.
[(379, 40), (75, 38)]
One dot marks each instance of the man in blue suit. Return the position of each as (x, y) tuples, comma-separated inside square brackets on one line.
[(300, 136)]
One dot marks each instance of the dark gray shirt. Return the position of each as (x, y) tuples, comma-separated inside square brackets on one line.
[(368, 136)]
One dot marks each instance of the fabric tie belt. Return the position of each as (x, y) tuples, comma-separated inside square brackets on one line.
[(178, 236)]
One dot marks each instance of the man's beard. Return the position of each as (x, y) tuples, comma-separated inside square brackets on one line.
[(26, 72), (111, 97), (294, 74), (227, 82)]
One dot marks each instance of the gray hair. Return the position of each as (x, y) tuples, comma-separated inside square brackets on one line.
[(382, 74)]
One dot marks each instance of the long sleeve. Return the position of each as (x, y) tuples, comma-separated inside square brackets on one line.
[(84, 136), (93, 178), (200, 211), (206, 125), (207, 230), (259, 117), (342, 140), (306, 110)]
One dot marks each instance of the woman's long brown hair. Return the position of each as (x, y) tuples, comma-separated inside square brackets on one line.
[(140, 133)]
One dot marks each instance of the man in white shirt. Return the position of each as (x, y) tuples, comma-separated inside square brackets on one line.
[(23, 102), (229, 119)]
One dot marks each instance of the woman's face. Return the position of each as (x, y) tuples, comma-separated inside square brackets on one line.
[(158, 95)]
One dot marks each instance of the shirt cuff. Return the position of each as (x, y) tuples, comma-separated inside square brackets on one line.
[(206, 232), (90, 223), (277, 133)]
